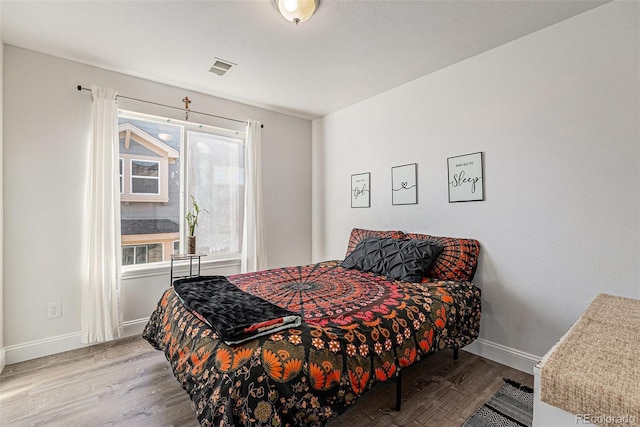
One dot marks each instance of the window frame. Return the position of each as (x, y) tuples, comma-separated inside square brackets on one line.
[(227, 259), (121, 174)]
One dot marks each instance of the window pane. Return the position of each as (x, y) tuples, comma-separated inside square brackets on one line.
[(141, 254), (155, 252), (142, 168), (216, 180), (144, 221), (127, 255), (144, 185)]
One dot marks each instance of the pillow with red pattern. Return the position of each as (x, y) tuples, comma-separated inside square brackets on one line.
[(359, 234), (458, 260)]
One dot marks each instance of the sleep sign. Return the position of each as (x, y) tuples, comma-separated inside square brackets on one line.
[(466, 183)]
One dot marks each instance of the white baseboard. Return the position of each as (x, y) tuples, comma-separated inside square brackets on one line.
[(505, 355), (60, 343), (52, 345)]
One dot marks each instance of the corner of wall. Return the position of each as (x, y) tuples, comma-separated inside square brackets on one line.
[(3, 359), (317, 192), (2, 350)]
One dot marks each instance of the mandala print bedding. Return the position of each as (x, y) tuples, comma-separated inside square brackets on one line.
[(358, 329)]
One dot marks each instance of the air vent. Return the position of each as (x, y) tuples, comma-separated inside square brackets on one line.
[(221, 67)]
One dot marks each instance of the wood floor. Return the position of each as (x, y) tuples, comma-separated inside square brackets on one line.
[(128, 383)]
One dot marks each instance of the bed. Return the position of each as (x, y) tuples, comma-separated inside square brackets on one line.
[(359, 328)]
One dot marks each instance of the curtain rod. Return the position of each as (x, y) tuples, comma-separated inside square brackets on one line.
[(80, 88)]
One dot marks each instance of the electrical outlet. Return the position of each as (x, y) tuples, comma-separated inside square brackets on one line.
[(55, 309)]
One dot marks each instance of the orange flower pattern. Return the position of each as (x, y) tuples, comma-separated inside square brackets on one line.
[(325, 369), (358, 329), (282, 360)]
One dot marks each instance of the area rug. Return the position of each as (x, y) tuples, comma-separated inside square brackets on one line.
[(511, 406)]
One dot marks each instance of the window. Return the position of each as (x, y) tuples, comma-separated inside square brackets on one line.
[(141, 254), (145, 177), (162, 163)]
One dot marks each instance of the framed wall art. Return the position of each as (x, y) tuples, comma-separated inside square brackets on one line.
[(466, 180), (360, 193), (404, 184)]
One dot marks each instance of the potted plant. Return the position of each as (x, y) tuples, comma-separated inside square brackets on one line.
[(192, 222)]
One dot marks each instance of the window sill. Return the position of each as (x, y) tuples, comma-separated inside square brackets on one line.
[(163, 268)]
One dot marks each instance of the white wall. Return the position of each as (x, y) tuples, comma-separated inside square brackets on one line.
[(46, 132), (557, 115)]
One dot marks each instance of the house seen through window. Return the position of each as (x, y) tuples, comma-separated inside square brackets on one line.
[(162, 163)]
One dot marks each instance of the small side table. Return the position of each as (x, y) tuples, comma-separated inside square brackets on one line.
[(191, 258)]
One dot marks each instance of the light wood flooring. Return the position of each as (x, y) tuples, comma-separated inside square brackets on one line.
[(128, 383)]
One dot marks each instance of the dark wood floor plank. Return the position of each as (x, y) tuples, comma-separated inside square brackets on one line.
[(128, 383)]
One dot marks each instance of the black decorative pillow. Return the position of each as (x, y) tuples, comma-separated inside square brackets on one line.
[(359, 234), (406, 260)]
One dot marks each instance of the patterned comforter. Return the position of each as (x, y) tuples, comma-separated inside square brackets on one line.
[(358, 329)]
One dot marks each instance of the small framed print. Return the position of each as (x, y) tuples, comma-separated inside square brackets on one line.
[(360, 194), (466, 180), (404, 184)]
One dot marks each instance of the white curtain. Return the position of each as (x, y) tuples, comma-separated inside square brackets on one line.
[(254, 253), (101, 317)]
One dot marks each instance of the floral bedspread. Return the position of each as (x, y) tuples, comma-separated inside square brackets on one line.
[(358, 329)]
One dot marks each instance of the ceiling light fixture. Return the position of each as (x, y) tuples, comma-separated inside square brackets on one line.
[(296, 11)]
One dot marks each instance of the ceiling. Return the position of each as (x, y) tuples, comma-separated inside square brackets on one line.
[(347, 52)]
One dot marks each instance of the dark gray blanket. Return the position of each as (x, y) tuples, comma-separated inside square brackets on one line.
[(235, 315)]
